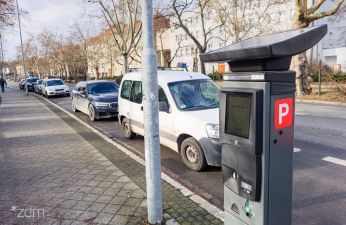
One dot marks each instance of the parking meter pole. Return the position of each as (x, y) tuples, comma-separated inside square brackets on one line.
[(151, 117), (22, 49)]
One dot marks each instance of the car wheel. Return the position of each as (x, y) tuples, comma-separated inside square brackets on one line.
[(91, 112), (74, 108), (192, 155), (127, 129)]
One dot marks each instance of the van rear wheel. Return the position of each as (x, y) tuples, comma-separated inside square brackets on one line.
[(192, 155), (127, 129)]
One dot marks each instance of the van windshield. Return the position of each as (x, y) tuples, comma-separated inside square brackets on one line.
[(195, 94)]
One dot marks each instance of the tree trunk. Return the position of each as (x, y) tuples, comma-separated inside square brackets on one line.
[(97, 73), (125, 63), (299, 62), (202, 68)]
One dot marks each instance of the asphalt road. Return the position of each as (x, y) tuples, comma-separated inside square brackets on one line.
[(319, 183)]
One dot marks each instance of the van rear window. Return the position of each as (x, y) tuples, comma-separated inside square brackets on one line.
[(125, 89)]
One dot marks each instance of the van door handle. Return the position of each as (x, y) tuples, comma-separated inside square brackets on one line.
[(141, 108)]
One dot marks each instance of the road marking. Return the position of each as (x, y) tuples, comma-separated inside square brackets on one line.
[(335, 160), (300, 114), (297, 150)]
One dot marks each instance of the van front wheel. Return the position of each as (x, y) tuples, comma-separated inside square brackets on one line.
[(127, 129), (192, 154)]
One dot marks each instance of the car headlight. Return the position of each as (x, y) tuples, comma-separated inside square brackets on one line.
[(212, 130), (100, 104)]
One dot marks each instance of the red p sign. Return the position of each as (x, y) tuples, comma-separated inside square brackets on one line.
[(283, 113)]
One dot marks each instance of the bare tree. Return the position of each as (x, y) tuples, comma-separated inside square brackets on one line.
[(123, 20), (184, 9), (247, 18), (303, 17), (32, 53), (7, 13)]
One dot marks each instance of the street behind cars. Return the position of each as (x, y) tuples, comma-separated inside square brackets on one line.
[(98, 99)]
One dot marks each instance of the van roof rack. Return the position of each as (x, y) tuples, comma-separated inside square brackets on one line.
[(161, 68)]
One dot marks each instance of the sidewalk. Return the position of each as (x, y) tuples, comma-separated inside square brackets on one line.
[(54, 170)]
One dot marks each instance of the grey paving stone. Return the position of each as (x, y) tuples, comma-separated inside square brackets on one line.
[(72, 214), (119, 220), (111, 191), (82, 205), (77, 196), (126, 210), (104, 218), (133, 202), (111, 208), (68, 204), (87, 216), (105, 184), (91, 197), (96, 207), (104, 199), (118, 200)]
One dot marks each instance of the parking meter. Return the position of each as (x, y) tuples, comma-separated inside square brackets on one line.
[(257, 125)]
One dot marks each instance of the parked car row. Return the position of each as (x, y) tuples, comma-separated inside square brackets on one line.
[(188, 110), (46, 87)]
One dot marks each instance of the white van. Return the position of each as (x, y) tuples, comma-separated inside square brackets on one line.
[(188, 117)]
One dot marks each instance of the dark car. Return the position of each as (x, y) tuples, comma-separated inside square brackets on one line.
[(30, 82), (37, 86), (21, 84), (98, 99)]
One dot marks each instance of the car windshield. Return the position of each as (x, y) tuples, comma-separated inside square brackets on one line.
[(54, 82), (195, 94), (39, 81), (99, 88), (32, 80)]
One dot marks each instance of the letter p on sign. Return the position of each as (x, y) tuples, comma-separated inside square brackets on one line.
[(283, 113)]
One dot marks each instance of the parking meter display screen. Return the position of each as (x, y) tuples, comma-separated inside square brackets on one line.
[(238, 112)]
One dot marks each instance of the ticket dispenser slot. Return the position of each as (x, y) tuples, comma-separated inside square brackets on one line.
[(241, 137)]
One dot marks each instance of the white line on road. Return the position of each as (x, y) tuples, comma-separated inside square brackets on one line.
[(335, 160), (297, 150), (300, 114)]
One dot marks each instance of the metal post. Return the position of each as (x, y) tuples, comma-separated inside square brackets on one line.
[(2, 56), (319, 78), (151, 117), (21, 44)]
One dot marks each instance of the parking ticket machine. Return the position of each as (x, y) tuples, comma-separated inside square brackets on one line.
[(257, 125)]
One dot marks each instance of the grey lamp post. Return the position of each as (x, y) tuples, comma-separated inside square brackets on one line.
[(21, 44)]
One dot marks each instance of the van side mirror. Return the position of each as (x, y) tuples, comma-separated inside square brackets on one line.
[(163, 107)]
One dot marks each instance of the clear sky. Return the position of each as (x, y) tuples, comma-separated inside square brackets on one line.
[(56, 15)]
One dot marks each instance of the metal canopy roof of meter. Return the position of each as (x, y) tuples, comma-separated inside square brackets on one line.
[(269, 52)]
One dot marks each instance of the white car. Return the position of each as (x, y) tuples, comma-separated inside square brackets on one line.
[(54, 87), (188, 114)]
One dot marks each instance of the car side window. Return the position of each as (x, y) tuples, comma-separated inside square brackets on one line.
[(162, 95), (125, 89), (77, 88), (136, 92)]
